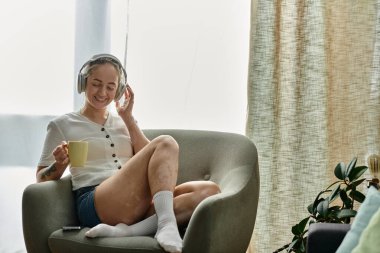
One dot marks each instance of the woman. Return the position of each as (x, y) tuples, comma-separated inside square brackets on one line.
[(128, 185)]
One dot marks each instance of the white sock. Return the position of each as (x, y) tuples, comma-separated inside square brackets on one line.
[(167, 233), (144, 227)]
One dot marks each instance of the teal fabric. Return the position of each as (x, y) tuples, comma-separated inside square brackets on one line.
[(365, 212), (369, 241)]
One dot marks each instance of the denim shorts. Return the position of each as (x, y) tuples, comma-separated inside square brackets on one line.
[(85, 206)]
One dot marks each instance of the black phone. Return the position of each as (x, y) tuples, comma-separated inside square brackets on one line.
[(71, 228)]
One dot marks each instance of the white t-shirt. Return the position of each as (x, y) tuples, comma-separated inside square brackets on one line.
[(109, 146)]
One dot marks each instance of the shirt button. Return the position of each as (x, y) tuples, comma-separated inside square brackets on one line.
[(115, 161), (113, 155), (119, 167), (103, 129), (107, 136), (112, 145)]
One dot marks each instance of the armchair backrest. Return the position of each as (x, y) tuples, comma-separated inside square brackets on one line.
[(209, 155)]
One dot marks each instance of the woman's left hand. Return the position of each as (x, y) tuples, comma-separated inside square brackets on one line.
[(125, 110)]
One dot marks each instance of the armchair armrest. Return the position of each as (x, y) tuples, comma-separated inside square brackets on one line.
[(43, 212), (326, 237), (215, 222)]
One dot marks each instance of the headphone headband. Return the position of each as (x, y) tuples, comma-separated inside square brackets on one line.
[(82, 76)]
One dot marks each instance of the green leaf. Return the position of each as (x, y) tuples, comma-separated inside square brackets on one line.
[(356, 172), (345, 213), (333, 216), (340, 171), (293, 244), (356, 183), (334, 208), (350, 166), (300, 227), (317, 201), (323, 207), (334, 194), (358, 196), (310, 208), (301, 248), (296, 230), (303, 223)]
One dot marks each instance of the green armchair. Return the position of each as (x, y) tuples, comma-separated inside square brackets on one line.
[(221, 223)]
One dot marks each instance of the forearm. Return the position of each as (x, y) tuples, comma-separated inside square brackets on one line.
[(52, 172), (138, 138)]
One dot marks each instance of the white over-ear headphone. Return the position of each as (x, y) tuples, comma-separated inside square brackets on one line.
[(82, 75)]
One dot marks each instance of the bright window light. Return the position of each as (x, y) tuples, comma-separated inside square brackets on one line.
[(37, 49), (187, 61)]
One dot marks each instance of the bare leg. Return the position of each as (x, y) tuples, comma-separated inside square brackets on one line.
[(187, 197), (126, 196)]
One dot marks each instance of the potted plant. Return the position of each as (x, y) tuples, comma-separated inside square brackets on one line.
[(335, 204)]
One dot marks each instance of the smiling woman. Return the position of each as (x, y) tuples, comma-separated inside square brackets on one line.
[(187, 64)]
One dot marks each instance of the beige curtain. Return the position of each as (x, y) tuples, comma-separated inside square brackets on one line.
[(313, 101)]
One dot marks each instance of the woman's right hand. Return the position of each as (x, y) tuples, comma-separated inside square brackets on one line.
[(61, 155), (55, 170)]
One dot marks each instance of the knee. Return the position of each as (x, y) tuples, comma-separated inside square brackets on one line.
[(167, 142), (209, 189)]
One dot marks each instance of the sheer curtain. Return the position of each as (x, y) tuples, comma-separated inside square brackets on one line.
[(313, 101)]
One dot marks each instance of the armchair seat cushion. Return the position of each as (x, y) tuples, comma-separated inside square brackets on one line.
[(77, 242)]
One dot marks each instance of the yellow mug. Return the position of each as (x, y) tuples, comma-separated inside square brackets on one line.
[(78, 153)]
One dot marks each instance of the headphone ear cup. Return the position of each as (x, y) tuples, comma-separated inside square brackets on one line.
[(120, 91), (81, 83)]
